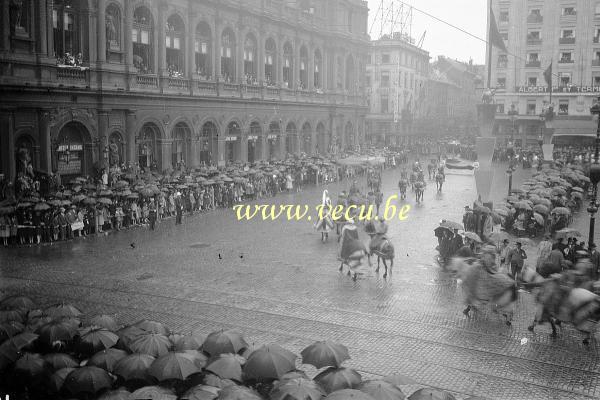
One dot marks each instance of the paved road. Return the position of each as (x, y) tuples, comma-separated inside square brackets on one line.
[(277, 282)]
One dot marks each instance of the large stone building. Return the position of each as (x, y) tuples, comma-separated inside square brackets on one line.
[(155, 82), (539, 33), (396, 78), (452, 93)]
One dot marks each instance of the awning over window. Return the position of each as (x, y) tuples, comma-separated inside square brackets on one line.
[(575, 128)]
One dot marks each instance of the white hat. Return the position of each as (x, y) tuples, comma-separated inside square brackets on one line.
[(351, 221), (178, 194)]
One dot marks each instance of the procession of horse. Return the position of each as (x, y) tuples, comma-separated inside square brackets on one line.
[(560, 297)]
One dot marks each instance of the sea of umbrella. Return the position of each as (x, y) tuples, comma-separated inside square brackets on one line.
[(83, 192), (50, 354), (546, 193)]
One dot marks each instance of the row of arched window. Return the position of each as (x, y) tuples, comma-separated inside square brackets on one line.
[(280, 66)]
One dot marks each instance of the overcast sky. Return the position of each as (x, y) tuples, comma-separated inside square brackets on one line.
[(442, 39)]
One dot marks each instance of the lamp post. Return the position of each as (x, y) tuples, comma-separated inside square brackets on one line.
[(594, 175)]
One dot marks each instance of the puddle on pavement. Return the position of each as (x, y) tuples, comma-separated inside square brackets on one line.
[(144, 276), (199, 245)]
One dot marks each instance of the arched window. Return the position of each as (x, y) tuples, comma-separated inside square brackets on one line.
[(273, 140), (147, 145), (113, 28), (303, 68), (20, 18), (142, 36), (175, 45), (202, 49), (350, 80), (288, 65), (306, 138), (228, 55), (270, 58), (254, 142), (181, 135), (209, 135), (250, 59), (291, 138), (318, 68), (65, 28)]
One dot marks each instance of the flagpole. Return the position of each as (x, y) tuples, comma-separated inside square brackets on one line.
[(489, 46)]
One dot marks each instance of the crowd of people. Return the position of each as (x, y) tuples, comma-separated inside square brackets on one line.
[(123, 197)]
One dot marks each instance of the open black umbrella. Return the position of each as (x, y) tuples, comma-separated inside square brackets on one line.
[(153, 344), (88, 380), (224, 341), (297, 389), (23, 340), (63, 310), (31, 364), (23, 302), (431, 394), (107, 359), (226, 366), (333, 379), (105, 321), (325, 354), (98, 339), (349, 394), (266, 363), (153, 327), (57, 379), (60, 360), (54, 331), (134, 367), (173, 366), (381, 390)]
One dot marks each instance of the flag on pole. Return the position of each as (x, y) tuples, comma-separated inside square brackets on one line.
[(548, 75), (495, 37)]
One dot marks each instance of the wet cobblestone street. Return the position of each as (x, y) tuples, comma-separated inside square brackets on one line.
[(276, 282)]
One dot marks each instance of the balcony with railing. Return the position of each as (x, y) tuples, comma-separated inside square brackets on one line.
[(533, 64), (502, 64), (206, 88), (252, 91), (178, 85), (229, 89), (146, 81), (566, 40), (566, 61), (72, 76)]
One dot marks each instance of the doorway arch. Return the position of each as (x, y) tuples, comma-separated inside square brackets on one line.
[(72, 153)]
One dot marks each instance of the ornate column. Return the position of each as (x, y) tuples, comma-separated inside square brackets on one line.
[(102, 134), (42, 44), (101, 31), (128, 40), (45, 141), (190, 52), (244, 146), (7, 144), (239, 57), (260, 54), (5, 25), (162, 50), (49, 29), (131, 136), (217, 50), (279, 60), (296, 71), (311, 67)]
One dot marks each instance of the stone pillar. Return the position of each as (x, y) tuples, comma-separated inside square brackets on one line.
[(217, 51), (45, 141), (190, 52), (165, 154), (296, 70), (243, 147), (5, 25), (260, 55), (49, 29), (162, 37), (42, 43), (262, 146), (279, 62), (131, 135), (282, 146), (220, 158), (102, 134), (128, 40), (239, 56), (101, 31), (311, 68), (7, 145)]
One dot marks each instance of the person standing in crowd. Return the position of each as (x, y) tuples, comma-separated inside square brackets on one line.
[(378, 199), (178, 208), (595, 260), (152, 216), (516, 259), (543, 253)]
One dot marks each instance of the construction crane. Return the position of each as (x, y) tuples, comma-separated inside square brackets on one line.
[(420, 42)]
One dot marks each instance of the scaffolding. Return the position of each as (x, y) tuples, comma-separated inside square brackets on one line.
[(393, 19)]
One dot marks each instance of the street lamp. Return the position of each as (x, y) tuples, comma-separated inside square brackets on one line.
[(594, 175)]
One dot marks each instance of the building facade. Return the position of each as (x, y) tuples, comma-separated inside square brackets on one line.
[(86, 83), (396, 77), (452, 93), (538, 33)]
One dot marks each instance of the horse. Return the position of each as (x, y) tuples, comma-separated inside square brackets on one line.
[(402, 185), (381, 246), (419, 190), (558, 302), (482, 287), (439, 181)]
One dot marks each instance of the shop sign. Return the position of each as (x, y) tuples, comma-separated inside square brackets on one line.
[(272, 137), (252, 137), (558, 89), (231, 138), (72, 147)]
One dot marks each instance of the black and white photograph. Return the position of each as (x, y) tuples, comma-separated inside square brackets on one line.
[(299, 199)]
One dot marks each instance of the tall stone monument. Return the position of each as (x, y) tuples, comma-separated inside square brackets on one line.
[(484, 145)]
